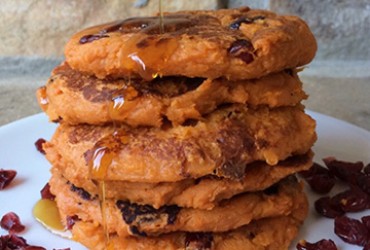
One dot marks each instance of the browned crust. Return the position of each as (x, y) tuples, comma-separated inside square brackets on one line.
[(223, 144), (148, 104), (203, 47)]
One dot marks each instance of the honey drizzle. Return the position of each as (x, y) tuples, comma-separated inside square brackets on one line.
[(104, 150), (161, 25), (101, 160)]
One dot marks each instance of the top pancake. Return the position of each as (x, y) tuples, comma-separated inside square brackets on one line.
[(232, 43)]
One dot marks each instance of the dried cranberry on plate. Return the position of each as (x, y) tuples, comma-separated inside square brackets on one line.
[(15, 242), (323, 244), (12, 223), (46, 194), (352, 200), (328, 207), (38, 145), (319, 179), (351, 231), (346, 171), (6, 177)]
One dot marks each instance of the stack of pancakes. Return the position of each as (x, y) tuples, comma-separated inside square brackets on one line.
[(183, 132)]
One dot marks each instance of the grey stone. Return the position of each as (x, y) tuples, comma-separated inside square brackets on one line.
[(342, 28), (42, 27)]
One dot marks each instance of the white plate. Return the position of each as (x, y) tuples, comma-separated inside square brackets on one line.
[(17, 151)]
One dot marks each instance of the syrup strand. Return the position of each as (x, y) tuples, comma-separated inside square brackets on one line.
[(103, 207), (161, 25)]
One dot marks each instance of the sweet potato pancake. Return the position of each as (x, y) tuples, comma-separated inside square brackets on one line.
[(177, 99), (266, 234), (126, 218), (231, 43), (221, 144), (202, 193)]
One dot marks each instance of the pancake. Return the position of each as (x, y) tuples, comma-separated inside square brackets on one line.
[(126, 218), (203, 193), (231, 43), (176, 99), (223, 144), (265, 234)]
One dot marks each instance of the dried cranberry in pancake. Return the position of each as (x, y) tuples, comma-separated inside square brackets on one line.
[(6, 176), (198, 241), (81, 192), (90, 38), (237, 23), (133, 213), (71, 220), (242, 49)]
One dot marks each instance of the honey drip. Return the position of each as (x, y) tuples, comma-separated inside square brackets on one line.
[(116, 107), (101, 160), (152, 41), (161, 26), (103, 156), (46, 212)]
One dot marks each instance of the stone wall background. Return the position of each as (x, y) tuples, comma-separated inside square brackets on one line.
[(33, 34)]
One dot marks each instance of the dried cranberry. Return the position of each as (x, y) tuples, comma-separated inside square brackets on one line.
[(12, 241), (321, 183), (12, 223), (319, 179), (328, 208), (367, 246), (242, 49), (6, 176), (367, 169), (71, 220), (315, 169), (91, 38), (351, 230), (346, 171), (39, 144), (352, 200), (239, 45), (319, 245), (236, 24), (201, 241), (363, 182), (366, 221), (46, 194)]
